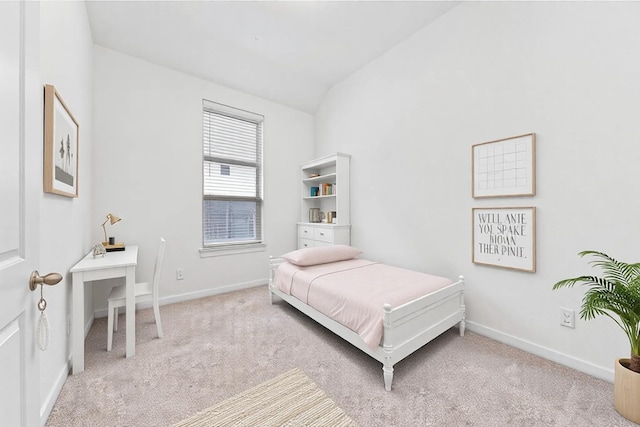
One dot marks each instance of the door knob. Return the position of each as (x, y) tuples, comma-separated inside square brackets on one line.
[(49, 279)]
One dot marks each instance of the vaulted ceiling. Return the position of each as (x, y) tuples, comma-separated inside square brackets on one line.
[(290, 52)]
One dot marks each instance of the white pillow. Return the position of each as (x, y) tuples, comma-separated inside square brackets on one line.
[(321, 255)]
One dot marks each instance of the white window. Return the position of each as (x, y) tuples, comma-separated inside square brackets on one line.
[(232, 176)]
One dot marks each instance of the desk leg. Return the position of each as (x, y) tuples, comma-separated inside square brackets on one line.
[(131, 311), (77, 322)]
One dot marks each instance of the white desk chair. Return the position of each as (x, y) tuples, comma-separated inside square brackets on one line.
[(143, 292)]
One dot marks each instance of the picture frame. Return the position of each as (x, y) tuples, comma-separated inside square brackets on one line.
[(505, 167), (61, 144), (504, 237)]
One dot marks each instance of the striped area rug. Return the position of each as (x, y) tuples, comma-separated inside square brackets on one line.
[(290, 400)]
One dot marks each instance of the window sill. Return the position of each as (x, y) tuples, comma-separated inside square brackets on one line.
[(224, 250)]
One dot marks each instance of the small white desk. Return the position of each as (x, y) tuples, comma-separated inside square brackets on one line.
[(112, 265)]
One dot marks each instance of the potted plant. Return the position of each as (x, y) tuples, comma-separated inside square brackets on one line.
[(616, 294)]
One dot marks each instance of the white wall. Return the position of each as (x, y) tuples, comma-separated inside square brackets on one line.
[(148, 171), (65, 223), (485, 71)]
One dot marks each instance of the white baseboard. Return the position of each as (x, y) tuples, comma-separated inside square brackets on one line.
[(50, 399), (194, 295), (600, 372), (215, 291)]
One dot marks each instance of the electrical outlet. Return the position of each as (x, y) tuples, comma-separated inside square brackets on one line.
[(179, 274), (567, 318)]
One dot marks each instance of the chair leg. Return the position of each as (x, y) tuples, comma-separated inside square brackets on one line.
[(110, 312), (115, 322), (156, 314)]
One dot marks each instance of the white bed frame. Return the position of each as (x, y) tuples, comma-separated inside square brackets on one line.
[(406, 328)]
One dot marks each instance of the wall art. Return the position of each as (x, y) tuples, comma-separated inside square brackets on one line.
[(61, 143), (505, 167), (505, 237)]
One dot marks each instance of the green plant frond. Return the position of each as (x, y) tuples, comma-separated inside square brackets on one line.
[(619, 298), (593, 307), (596, 301), (636, 307), (568, 283), (628, 298), (604, 258), (588, 313), (629, 322), (614, 270), (624, 273), (591, 281), (615, 295)]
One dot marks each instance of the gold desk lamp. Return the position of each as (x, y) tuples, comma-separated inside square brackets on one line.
[(111, 246)]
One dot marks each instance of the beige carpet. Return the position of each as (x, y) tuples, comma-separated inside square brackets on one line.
[(218, 347), (290, 399)]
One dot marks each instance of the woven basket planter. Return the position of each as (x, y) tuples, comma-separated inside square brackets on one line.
[(626, 391)]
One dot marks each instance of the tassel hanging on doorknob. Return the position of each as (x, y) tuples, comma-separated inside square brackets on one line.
[(42, 329)]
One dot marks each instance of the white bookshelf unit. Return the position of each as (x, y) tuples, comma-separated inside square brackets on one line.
[(325, 186)]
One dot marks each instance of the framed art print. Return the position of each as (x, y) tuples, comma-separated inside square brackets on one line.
[(61, 143), (505, 237), (505, 167)]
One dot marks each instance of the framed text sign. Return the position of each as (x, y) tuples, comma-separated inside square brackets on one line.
[(505, 167), (505, 237)]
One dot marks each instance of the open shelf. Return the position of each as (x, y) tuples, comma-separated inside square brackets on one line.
[(332, 185), (331, 177)]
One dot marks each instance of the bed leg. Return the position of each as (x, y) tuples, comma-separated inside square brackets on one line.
[(270, 295), (462, 323), (463, 308), (272, 268), (388, 376)]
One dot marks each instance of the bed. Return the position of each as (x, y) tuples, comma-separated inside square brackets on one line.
[(403, 309)]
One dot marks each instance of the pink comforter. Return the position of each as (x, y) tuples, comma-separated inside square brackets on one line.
[(353, 292)]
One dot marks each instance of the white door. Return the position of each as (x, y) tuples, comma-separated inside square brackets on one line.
[(20, 185)]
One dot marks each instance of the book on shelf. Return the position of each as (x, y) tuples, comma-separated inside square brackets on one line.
[(327, 189)]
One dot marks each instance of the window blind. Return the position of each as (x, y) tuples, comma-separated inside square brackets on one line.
[(232, 175)]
